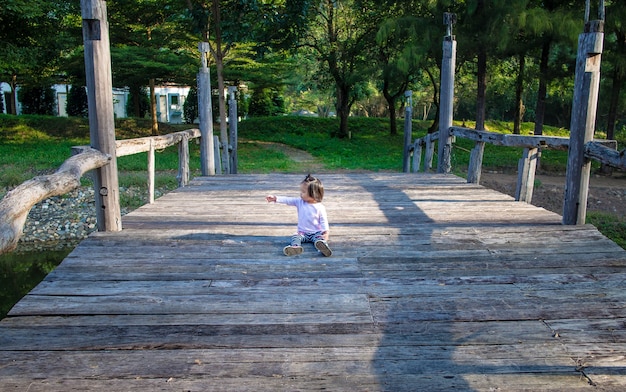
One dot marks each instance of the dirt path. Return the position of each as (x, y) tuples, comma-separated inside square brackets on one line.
[(607, 194), (305, 160)]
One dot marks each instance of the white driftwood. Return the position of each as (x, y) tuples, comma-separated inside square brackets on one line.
[(606, 155), (16, 204)]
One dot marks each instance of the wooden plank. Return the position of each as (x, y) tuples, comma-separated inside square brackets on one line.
[(435, 284)]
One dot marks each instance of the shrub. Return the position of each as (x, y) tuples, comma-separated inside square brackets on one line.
[(190, 107), (37, 100), (77, 102)]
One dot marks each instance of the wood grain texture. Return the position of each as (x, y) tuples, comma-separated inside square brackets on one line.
[(434, 284)]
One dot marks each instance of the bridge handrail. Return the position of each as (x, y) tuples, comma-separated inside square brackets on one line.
[(604, 151), (17, 203), (152, 143)]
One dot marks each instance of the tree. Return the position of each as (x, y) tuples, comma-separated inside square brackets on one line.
[(77, 102), (190, 107), (407, 40), (341, 35), (38, 100), (222, 34), (615, 53), (554, 23), (138, 102), (484, 31), (149, 45), (33, 36), (398, 66)]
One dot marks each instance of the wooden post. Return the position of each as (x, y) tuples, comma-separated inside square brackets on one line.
[(584, 105), (101, 118), (408, 131), (216, 154), (428, 154), (205, 114), (474, 169), (151, 172), (224, 141), (183, 162), (447, 95), (232, 124), (417, 156), (526, 169)]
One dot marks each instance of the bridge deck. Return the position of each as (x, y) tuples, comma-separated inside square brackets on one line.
[(435, 284)]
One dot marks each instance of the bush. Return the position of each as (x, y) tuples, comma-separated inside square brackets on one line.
[(38, 100), (77, 102), (143, 98), (266, 102), (190, 107)]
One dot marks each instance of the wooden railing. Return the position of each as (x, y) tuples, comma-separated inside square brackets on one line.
[(151, 144), (17, 203), (604, 151)]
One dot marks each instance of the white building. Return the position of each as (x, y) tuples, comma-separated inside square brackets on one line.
[(170, 100)]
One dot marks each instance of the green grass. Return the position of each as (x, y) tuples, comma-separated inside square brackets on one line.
[(612, 226), (254, 157), (370, 147), (35, 145)]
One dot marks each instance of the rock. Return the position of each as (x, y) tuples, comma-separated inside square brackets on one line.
[(62, 221)]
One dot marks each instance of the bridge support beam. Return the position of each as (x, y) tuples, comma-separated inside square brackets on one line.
[(447, 96), (582, 128), (205, 114), (101, 117)]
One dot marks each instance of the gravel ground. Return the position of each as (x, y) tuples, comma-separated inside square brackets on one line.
[(62, 221), (59, 221)]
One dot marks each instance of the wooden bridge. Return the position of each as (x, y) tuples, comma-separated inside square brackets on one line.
[(435, 285)]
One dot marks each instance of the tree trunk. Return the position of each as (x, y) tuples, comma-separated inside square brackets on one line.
[(614, 102), (618, 80), (343, 111), (391, 105), (543, 88), (135, 91), (482, 88), (153, 109), (392, 116), (434, 127), (519, 90), (14, 94)]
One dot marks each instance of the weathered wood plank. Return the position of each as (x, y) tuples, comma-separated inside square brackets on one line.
[(434, 284)]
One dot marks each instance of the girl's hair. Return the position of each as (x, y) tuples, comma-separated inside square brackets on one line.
[(315, 188)]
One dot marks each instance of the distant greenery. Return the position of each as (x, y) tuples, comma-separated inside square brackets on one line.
[(35, 145)]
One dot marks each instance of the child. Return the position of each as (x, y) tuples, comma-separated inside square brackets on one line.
[(312, 220)]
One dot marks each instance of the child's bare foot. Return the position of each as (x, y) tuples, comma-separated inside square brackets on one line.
[(292, 250), (322, 246)]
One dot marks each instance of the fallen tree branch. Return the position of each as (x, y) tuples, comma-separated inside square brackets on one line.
[(17, 203)]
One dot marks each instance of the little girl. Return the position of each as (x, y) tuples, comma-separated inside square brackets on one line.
[(312, 219)]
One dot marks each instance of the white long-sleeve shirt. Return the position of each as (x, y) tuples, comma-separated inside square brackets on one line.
[(311, 216)]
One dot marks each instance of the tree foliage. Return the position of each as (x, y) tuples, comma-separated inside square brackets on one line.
[(515, 57)]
